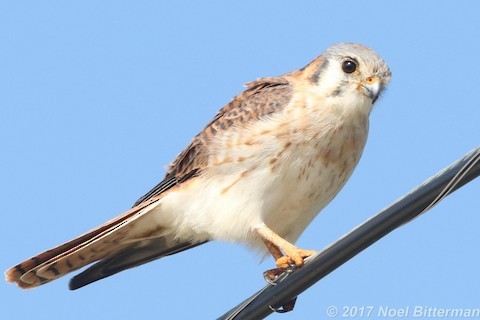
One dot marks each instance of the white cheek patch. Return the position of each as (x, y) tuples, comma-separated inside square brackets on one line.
[(333, 81)]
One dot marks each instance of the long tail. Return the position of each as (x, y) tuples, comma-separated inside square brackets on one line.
[(92, 246), (136, 254)]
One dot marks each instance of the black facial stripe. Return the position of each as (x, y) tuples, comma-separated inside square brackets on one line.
[(314, 78), (337, 92)]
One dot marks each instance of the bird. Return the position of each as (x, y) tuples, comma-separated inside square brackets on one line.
[(257, 174)]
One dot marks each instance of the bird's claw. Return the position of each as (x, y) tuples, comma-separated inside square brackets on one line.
[(294, 258), (287, 264), (271, 275)]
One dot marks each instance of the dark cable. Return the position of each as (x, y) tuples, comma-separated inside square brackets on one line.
[(404, 210)]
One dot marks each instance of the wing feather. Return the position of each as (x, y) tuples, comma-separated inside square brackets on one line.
[(261, 98)]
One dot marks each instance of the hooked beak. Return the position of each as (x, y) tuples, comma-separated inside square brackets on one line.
[(372, 86)]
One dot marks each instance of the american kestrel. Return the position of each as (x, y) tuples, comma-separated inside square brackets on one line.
[(257, 174)]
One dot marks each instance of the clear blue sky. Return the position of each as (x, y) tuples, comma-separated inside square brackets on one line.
[(97, 97)]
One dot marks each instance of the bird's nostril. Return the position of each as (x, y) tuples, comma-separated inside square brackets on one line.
[(371, 80)]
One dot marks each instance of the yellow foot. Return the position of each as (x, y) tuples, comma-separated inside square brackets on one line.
[(294, 257)]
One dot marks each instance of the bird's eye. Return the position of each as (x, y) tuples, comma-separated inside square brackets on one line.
[(349, 66)]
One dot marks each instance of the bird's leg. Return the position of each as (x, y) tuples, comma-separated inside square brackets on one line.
[(274, 250), (275, 243), (277, 254)]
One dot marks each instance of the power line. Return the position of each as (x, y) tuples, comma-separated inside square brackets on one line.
[(283, 293)]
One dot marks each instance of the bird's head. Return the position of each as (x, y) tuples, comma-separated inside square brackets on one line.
[(349, 72)]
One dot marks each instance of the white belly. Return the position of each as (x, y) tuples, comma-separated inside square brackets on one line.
[(280, 180)]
